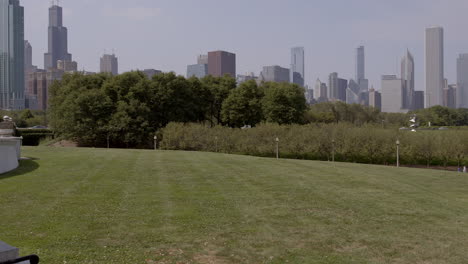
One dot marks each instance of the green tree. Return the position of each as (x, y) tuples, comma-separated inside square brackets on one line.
[(243, 106), (284, 103), (220, 88)]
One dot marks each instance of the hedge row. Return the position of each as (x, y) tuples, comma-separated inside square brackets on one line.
[(33, 137), (347, 143)]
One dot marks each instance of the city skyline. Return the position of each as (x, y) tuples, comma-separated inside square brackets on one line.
[(321, 58)]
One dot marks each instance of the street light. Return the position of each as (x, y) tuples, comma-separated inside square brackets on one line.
[(333, 150), (398, 153), (155, 142), (277, 148)]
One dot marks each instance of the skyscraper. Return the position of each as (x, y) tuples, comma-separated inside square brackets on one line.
[(462, 81), (407, 77), (297, 74), (320, 91), (109, 64), (360, 64), (11, 55), (434, 49), (58, 39), (221, 63), (375, 99)]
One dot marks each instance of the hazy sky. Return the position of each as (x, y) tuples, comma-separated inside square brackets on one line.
[(169, 34)]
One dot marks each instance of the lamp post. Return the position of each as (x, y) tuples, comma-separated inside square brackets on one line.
[(277, 148), (108, 139), (398, 153), (333, 150), (155, 142)]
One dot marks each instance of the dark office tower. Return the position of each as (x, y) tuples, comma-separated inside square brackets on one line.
[(407, 77), (297, 66), (11, 55), (360, 64), (337, 88), (419, 100), (221, 63), (342, 86), (58, 40)]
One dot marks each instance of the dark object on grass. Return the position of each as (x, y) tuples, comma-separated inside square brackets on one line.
[(33, 259)]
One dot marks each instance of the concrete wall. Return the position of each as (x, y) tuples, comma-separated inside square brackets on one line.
[(10, 153)]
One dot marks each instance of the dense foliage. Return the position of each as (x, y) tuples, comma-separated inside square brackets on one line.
[(129, 109), (358, 115), (349, 143), (26, 118)]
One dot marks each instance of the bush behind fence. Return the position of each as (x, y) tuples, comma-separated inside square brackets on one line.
[(366, 144)]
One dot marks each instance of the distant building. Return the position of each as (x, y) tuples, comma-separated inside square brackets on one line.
[(11, 55), (221, 63), (392, 94), (462, 81), (342, 87), (297, 73), (419, 100), (360, 64), (352, 93), (109, 64), (247, 77), (28, 68), (363, 94), (38, 87), (375, 99), (202, 59), (274, 74), (197, 70), (151, 72), (336, 88), (434, 71), (407, 76), (320, 92), (58, 39), (450, 93), (67, 66), (309, 95)]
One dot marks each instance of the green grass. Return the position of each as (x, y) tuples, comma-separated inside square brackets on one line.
[(131, 206)]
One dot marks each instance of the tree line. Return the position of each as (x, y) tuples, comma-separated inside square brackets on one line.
[(127, 110)]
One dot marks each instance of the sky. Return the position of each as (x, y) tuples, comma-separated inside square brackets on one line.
[(169, 34)]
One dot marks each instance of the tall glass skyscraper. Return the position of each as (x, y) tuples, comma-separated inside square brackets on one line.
[(407, 77), (435, 82), (360, 64), (11, 55), (58, 39), (297, 75)]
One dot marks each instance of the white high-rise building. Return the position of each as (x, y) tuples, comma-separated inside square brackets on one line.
[(434, 48), (462, 81), (392, 92)]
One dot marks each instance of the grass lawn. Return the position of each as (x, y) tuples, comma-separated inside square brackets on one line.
[(131, 206)]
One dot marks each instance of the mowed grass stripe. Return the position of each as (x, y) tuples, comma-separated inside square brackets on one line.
[(131, 206)]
